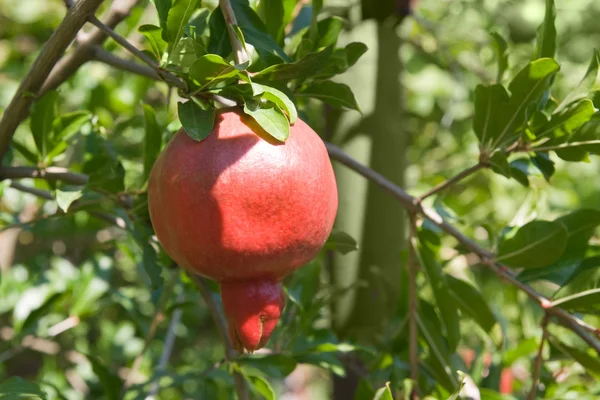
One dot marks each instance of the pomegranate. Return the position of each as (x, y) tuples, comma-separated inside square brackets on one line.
[(244, 210)]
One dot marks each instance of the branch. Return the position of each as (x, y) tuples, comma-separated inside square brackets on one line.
[(99, 54), (239, 52), (167, 76), (18, 108), (49, 174), (539, 359), (68, 65), (219, 318), (487, 258), (34, 191), (413, 333), (452, 181)]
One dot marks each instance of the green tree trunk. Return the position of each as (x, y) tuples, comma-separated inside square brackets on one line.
[(366, 212)]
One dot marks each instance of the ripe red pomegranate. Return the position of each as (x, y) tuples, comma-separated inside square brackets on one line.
[(244, 210)]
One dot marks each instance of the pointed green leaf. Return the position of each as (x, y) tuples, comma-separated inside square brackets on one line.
[(586, 301), (472, 303), (561, 126), (163, 7), (490, 101), (332, 93), (42, 118), (196, 122), (278, 97), (152, 139), (585, 140), (385, 393), (307, 66), (261, 386), (546, 33), (211, 69), (501, 50), (179, 15), (534, 245), (271, 118), (341, 242), (499, 162), (587, 84), (154, 35), (65, 199)]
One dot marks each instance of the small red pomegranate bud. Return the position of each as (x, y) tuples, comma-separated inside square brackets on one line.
[(253, 309), (244, 210)]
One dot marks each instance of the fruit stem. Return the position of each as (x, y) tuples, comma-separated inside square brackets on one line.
[(239, 50)]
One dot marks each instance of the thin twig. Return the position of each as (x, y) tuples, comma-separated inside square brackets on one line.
[(167, 76), (239, 52), (30, 190), (487, 258), (82, 53), (167, 346), (452, 181), (18, 109), (539, 359), (219, 318), (156, 320), (49, 174), (109, 58), (413, 296)]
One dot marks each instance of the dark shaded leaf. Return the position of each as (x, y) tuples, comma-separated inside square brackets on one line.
[(307, 66), (16, 388), (341, 242), (197, 123), (546, 33), (42, 118)]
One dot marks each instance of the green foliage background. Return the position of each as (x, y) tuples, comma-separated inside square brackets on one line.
[(65, 260)]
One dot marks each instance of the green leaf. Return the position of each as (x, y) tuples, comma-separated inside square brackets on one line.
[(385, 393), (152, 140), (499, 116), (589, 362), (67, 125), (426, 255), (546, 33), (185, 53), (519, 171), (276, 366), (544, 164), (561, 126), (341, 242), (65, 199), (584, 141), (34, 316), (212, 69), (271, 118), (179, 15), (272, 13), (332, 93), (25, 152), (154, 35), (581, 225), (328, 31), (18, 388), (534, 245), (278, 97), (110, 382), (499, 162), (261, 386), (588, 301), (501, 50), (219, 37), (256, 33), (42, 118), (472, 303), (163, 7), (585, 280), (197, 123), (305, 67), (587, 84)]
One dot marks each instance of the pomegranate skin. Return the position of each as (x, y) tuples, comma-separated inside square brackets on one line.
[(245, 210), (236, 207)]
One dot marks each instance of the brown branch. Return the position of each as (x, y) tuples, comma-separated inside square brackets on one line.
[(54, 48), (34, 191), (539, 359), (108, 58), (219, 318), (49, 174), (83, 52), (487, 258), (167, 76), (413, 301), (452, 181)]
